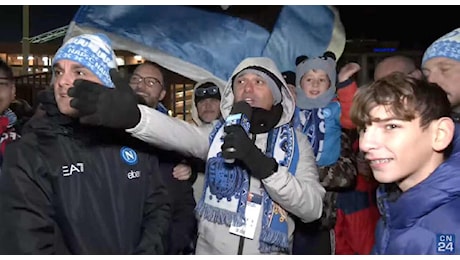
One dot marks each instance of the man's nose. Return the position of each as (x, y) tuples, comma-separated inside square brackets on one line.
[(140, 85), (433, 77), (249, 87), (66, 80)]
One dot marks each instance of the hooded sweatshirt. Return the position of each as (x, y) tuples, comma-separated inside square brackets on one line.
[(300, 195), (198, 166)]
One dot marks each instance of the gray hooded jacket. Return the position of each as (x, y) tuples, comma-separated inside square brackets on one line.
[(301, 195)]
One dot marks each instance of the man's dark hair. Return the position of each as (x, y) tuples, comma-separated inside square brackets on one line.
[(5, 69), (403, 96)]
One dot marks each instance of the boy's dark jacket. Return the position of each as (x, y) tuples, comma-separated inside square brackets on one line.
[(68, 189), (412, 222)]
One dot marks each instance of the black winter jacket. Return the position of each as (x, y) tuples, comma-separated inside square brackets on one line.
[(66, 188), (183, 225)]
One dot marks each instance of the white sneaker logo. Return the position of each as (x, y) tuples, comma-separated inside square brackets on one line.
[(68, 170)]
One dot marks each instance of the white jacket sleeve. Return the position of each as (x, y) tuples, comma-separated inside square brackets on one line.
[(171, 133), (302, 194)]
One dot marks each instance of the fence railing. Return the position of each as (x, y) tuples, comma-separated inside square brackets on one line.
[(27, 86)]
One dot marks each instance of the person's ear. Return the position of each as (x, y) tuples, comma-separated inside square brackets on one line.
[(13, 91), (443, 131), (162, 95)]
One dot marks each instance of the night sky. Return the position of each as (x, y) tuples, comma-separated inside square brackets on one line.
[(414, 26)]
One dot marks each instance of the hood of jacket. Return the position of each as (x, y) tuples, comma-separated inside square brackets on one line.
[(195, 116), (288, 102)]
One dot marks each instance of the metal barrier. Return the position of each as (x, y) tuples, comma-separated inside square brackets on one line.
[(178, 98), (27, 86)]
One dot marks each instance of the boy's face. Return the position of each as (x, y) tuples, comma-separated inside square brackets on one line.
[(400, 151), (314, 83), (65, 72)]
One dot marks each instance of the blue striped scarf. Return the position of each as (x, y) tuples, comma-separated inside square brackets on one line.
[(226, 189)]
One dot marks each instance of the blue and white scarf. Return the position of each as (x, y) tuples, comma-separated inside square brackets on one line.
[(12, 118), (311, 123), (226, 188)]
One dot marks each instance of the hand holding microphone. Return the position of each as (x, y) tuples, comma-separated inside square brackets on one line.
[(237, 144), (240, 116)]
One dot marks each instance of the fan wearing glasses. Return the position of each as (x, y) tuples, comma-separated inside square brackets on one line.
[(8, 118), (148, 83), (206, 102)]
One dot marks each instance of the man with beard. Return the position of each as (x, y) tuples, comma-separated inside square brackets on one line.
[(148, 83)]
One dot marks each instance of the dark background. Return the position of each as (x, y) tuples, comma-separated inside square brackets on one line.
[(414, 26)]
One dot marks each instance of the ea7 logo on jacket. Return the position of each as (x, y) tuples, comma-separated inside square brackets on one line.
[(68, 170)]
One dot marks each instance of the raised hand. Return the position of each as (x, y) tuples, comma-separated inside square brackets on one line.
[(103, 106), (348, 70)]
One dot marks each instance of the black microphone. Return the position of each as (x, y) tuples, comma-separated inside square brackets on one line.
[(240, 115)]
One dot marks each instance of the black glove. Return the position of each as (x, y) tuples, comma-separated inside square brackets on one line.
[(47, 102), (259, 165), (103, 106)]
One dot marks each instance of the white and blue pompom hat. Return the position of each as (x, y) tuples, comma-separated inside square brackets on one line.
[(93, 51), (448, 46)]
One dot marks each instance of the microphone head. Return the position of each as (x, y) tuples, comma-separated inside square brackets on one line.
[(242, 107)]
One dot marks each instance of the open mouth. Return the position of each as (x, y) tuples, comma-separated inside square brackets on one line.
[(375, 162)]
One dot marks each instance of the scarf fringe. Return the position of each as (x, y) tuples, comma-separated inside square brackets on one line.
[(273, 241), (220, 216)]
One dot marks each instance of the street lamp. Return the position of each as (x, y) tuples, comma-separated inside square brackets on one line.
[(25, 39)]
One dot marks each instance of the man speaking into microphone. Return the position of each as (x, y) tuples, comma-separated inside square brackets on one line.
[(257, 175)]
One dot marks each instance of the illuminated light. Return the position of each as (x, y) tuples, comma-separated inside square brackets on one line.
[(30, 58), (19, 57), (120, 61), (138, 57), (45, 61), (384, 49), (45, 70)]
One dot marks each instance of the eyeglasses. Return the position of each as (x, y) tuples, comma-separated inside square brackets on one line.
[(148, 81), (209, 91)]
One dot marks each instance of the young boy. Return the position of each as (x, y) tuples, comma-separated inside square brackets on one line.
[(320, 115), (406, 135)]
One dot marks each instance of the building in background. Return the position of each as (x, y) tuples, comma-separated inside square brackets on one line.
[(366, 52)]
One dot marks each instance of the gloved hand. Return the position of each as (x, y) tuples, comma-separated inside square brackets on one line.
[(103, 106), (259, 165)]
